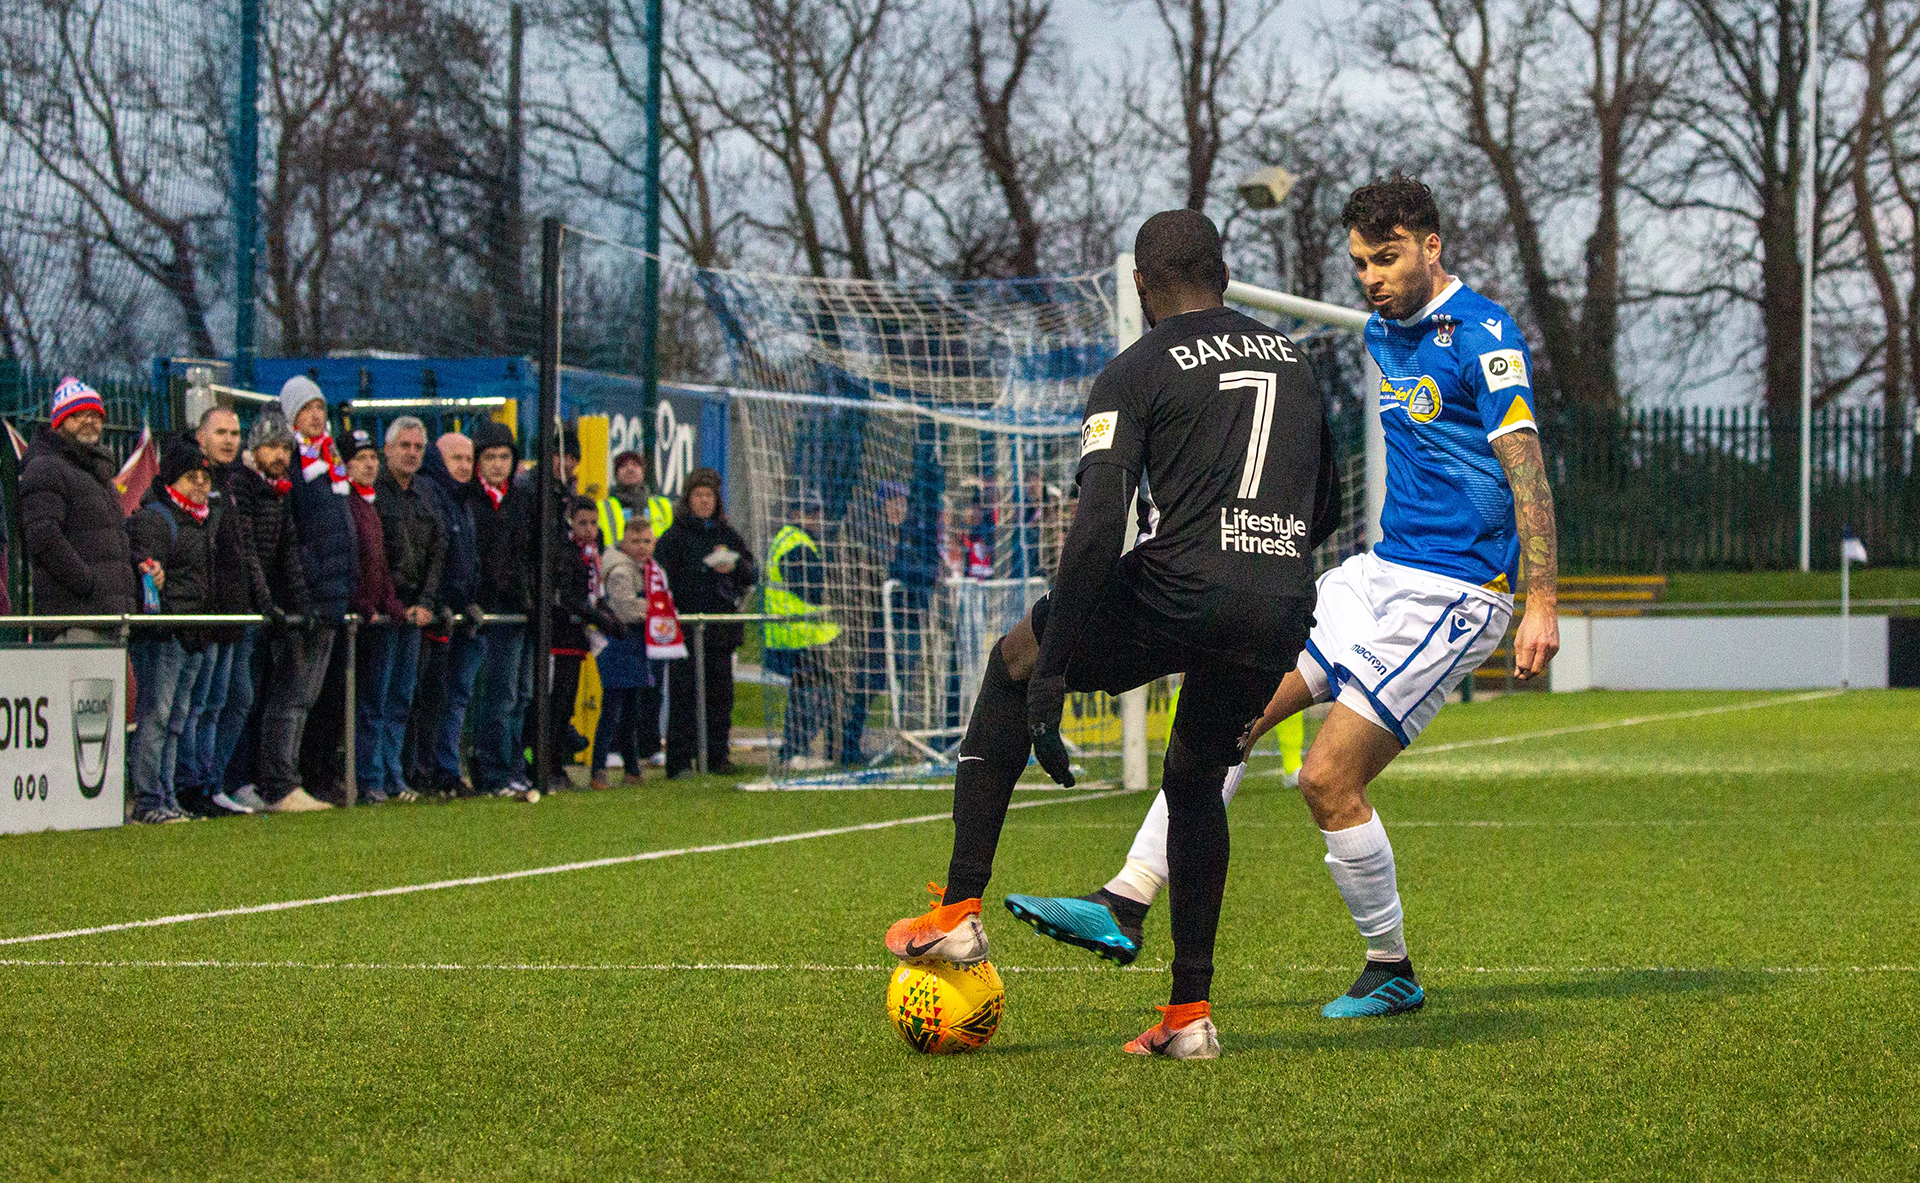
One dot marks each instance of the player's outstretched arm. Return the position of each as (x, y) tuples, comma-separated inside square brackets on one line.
[(1538, 638)]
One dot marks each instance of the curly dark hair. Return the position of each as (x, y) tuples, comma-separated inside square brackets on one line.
[(1376, 210)]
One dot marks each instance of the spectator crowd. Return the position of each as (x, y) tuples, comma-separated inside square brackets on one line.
[(427, 550)]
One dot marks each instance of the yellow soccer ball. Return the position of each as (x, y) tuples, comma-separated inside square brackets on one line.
[(943, 1008)]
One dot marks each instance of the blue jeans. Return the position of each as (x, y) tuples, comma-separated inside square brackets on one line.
[(464, 655), (198, 740), (503, 707), (166, 674), (387, 661), (232, 721)]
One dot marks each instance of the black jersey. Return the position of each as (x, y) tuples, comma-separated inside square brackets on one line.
[(1219, 417)]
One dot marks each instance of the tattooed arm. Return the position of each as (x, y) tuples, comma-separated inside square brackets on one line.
[(1538, 638)]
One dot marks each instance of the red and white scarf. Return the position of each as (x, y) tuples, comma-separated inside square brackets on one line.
[(664, 639), (495, 495), (590, 554), (197, 510), (365, 491), (316, 457)]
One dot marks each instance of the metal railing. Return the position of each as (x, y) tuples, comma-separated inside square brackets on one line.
[(693, 623)]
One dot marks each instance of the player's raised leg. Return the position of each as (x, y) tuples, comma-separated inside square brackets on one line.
[(1108, 922), (1349, 751), (992, 757)]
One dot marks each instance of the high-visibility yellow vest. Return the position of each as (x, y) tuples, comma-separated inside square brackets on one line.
[(613, 518), (792, 634)]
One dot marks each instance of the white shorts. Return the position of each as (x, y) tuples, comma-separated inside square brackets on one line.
[(1391, 642)]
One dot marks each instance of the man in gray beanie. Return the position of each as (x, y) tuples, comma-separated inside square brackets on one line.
[(258, 499)]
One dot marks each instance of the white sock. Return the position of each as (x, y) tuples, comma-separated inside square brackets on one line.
[(1146, 870), (1361, 861)]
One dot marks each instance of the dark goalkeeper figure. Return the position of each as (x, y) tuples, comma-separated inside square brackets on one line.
[(1219, 418)]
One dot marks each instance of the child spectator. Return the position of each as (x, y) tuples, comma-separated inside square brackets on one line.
[(174, 528), (638, 596)]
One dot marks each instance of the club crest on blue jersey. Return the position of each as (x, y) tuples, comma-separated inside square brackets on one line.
[(1421, 398), (1443, 335)]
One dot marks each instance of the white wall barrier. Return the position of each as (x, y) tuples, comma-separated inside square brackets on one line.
[(63, 737), (1717, 653)]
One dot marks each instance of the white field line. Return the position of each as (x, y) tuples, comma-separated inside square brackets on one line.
[(530, 872), (1603, 725), (669, 967)]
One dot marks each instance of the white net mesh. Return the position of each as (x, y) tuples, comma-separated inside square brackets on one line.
[(924, 436)]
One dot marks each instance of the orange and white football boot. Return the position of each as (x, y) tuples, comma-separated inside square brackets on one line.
[(945, 932), (1184, 1032)]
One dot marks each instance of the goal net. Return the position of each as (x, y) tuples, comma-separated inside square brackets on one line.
[(924, 436)]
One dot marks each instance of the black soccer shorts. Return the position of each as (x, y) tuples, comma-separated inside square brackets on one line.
[(1125, 645)]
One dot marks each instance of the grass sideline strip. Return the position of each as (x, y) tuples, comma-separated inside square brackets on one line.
[(1602, 725), (758, 967), (531, 872)]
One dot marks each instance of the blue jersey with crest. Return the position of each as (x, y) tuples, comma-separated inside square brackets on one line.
[(1454, 377)]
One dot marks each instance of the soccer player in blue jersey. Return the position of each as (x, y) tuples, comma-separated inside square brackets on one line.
[(1396, 629)]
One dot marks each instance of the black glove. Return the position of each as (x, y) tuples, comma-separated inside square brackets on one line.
[(1046, 700), (470, 620), (610, 624), (275, 614)]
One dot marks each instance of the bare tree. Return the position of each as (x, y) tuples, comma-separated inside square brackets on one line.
[(827, 92), (1008, 36), (1743, 146), (1548, 146), (1882, 44), (1224, 83), (112, 122)]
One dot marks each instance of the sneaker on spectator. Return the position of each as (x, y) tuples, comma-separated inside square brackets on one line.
[(249, 796), (658, 759), (403, 794), (298, 801), (157, 817), (227, 805), (194, 802), (373, 797)]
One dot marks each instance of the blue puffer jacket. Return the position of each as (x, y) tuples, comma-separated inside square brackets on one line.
[(460, 577), (329, 549)]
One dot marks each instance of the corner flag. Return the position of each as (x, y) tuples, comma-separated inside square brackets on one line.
[(1852, 550)]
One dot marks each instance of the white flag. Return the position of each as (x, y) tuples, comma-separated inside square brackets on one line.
[(1852, 549)]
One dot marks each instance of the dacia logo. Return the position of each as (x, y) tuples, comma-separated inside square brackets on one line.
[(1422, 398)]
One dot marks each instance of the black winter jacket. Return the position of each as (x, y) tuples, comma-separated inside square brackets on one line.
[(503, 534), (460, 577), (264, 520), (329, 550), (185, 550), (74, 531), (698, 587), (416, 538)]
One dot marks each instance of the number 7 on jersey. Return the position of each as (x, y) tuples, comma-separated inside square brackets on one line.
[(1265, 388)]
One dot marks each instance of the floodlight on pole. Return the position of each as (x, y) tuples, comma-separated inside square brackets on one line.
[(1267, 188)]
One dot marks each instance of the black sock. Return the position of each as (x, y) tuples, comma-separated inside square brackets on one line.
[(1378, 972), (992, 757), (1197, 852), (1129, 913)]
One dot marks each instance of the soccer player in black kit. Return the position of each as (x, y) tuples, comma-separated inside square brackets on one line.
[(1218, 417)]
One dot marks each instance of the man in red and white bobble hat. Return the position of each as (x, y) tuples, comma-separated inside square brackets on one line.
[(70, 517)]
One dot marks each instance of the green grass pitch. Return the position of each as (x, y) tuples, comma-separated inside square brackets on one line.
[(1680, 948)]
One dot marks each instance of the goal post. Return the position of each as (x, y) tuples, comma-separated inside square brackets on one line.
[(901, 454)]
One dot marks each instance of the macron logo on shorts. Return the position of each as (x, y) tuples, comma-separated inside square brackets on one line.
[(1273, 534)]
